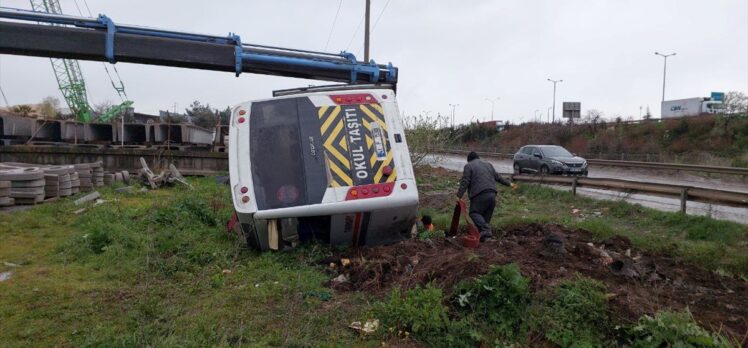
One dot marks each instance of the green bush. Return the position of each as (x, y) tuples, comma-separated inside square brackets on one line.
[(421, 313), (498, 298), (423, 235), (98, 240), (575, 315), (672, 329)]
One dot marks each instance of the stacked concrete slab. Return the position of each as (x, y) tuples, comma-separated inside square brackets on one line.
[(57, 180), (98, 173), (26, 184), (75, 182), (5, 198), (85, 177)]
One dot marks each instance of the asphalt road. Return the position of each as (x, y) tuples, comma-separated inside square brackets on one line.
[(720, 212)]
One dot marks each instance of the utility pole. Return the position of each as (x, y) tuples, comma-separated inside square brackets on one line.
[(366, 31), (664, 71), (640, 112), (554, 97), (453, 106), (536, 115), (492, 104)]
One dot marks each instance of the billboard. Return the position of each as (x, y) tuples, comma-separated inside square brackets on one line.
[(572, 110)]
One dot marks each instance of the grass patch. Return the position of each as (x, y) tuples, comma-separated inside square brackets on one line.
[(420, 312), (157, 269), (673, 329), (574, 315), (700, 240), (496, 301)]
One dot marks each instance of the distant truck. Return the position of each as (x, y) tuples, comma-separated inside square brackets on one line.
[(692, 106)]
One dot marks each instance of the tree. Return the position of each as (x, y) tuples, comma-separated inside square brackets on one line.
[(225, 116), (103, 107), (50, 107), (736, 103), (424, 133), (202, 115), (648, 115), (173, 118), (24, 110)]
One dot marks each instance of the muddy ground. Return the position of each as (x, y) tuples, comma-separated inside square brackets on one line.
[(637, 283)]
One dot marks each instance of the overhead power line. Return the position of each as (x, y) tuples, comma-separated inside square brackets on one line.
[(355, 32), (380, 15), (340, 3)]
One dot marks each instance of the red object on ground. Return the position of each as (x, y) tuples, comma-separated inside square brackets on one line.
[(233, 221), (472, 239)]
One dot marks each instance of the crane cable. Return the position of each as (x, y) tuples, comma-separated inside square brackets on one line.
[(340, 3)]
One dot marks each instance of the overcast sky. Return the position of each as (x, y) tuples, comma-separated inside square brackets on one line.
[(449, 52)]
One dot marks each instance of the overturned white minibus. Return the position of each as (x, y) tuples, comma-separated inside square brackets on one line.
[(328, 163)]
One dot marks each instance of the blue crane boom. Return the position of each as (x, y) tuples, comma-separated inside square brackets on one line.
[(100, 39)]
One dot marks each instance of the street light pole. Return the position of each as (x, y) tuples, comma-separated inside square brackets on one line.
[(366, 31), (492, 104), (664, 71), (453, 106), (554, 97)]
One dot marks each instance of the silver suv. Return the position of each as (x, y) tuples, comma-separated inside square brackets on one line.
[(548, 159)]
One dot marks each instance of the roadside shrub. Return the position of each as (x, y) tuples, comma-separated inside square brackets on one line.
[(498, 298), (575, 315), (622, 209), (99, 240), (184, 211), (423, 235), (672, 329), (421, 313)]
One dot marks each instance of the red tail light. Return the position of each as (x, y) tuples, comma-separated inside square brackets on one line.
[(369, 191), (349, 99)]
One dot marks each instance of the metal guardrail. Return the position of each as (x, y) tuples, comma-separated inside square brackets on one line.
[(628, 164), (685, 193)]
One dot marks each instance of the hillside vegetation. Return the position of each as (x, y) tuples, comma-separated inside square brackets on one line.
[(710, 139)]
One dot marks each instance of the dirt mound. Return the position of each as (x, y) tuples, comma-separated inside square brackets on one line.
[(639, 283)]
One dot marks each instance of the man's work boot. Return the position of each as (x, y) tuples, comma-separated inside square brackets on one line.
[(486, 236)]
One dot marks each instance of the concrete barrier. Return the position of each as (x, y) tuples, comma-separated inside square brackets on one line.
[(192, 134), (72, 131), (118, 159), (16, 127), (47, 130), (221, 132), (134, 133), (167, 133), (98, 133)]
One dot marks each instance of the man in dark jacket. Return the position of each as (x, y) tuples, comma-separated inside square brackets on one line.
[(479, 179)]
